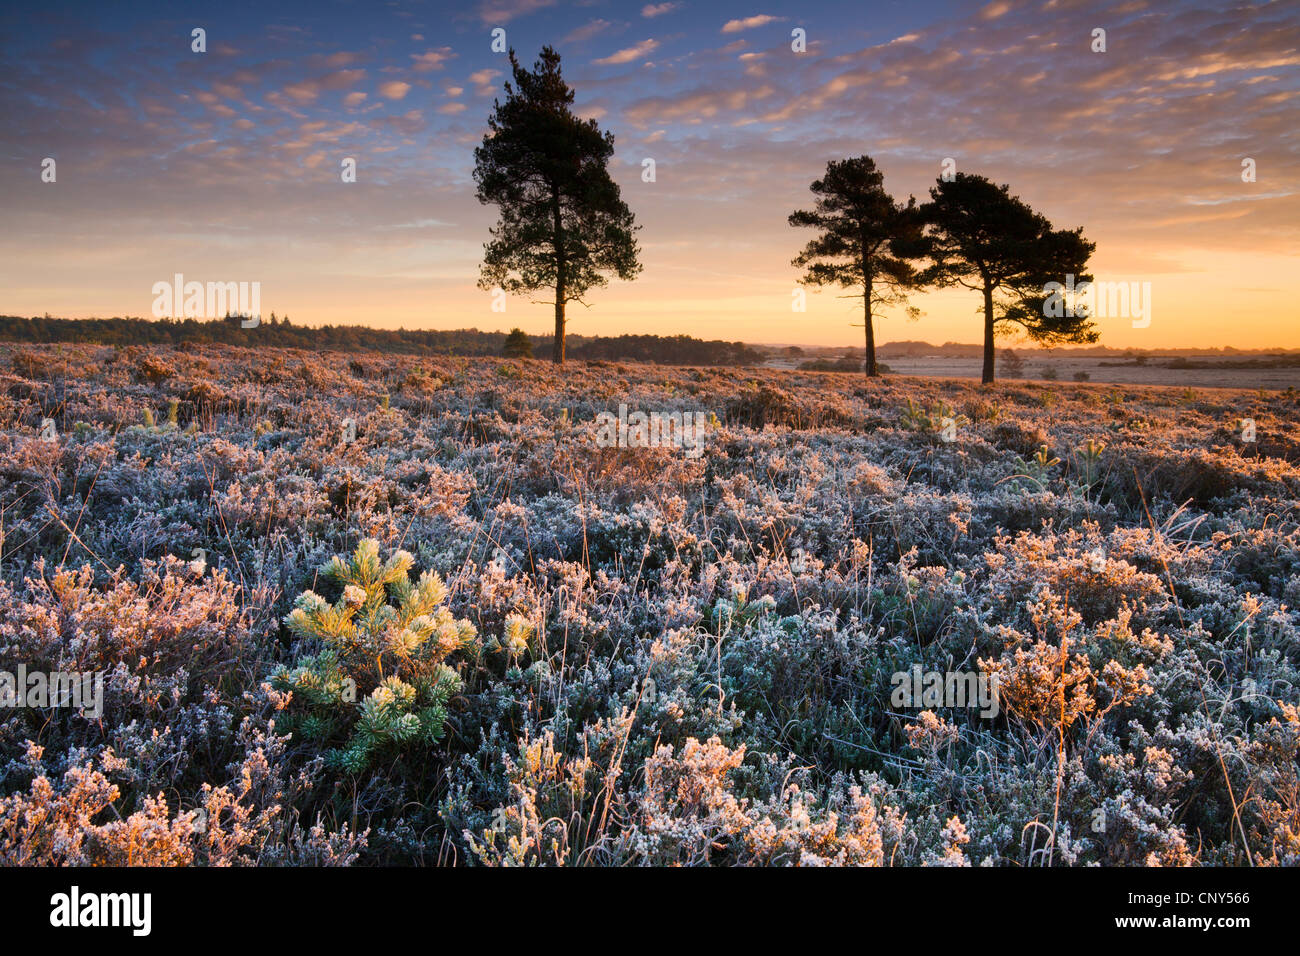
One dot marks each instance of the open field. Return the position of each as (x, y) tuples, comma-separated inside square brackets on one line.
[(1236, 373), (642, 654), (1116, 372)]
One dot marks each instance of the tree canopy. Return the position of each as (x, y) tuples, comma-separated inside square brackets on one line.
[(866, 240), (981, 237), (517, 345), (563, 225)]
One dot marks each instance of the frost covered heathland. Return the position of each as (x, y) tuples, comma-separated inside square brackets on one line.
[(366, 609)]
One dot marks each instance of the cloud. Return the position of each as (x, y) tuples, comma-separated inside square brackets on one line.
[(749, 23), (587, 31), (307, 91), (432, 60), (354, 99), (304, 92), (408, 124), (693, 106), (317, 133), (415, 224), (482, 80), (394, 89), (336, 60), (503, 11), (629, 54), (658, 9)]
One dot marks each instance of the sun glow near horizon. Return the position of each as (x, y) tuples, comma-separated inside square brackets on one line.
[(224, 166)]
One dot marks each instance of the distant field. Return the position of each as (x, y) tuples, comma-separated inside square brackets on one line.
[(1120, 373), (907, 621)]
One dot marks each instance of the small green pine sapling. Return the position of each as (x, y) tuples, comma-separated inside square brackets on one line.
[(739, 611), (1044, 461), (1089, 461), (1038, 469), (384, 639), (516, 640), (916, 418)]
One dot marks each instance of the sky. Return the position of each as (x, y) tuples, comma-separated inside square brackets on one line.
[(225, 165)]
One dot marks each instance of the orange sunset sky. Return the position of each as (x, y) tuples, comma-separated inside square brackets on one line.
[(224, 166)]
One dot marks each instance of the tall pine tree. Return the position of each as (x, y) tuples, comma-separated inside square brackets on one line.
[(563, 223), (981, 237), (865, 242)]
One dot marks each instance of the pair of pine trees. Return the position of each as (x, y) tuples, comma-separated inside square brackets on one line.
[(972, 233), (565, 227)]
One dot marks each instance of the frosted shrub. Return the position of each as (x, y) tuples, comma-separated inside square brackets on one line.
[(55, 825), (380, 680)]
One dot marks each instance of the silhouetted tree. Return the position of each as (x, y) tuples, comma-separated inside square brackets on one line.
[(981, 237), (517, 345), (563, 223), (866, 240)]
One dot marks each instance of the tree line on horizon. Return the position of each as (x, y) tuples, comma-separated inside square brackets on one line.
[(565, 228), (280, 333)]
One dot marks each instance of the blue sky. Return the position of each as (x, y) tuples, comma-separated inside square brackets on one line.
[(225, 165)]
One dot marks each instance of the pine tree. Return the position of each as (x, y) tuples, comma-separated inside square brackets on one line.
[(865, 241), (983, 238), (384, 638), (517, 345), (563, 223)]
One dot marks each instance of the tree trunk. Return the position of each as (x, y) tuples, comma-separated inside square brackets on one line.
[(557, 350), (870, 367), (988, 335)]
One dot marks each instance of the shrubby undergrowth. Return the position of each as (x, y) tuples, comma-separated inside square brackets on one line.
[(368, 609)]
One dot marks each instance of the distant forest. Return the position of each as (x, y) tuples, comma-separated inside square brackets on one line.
[(281, 333)]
